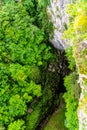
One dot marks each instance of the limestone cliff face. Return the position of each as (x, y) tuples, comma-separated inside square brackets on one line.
[(59, 18), (60, 22), (80, 55)]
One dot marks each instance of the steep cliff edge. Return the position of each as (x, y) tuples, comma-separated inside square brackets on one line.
[(77, 38)]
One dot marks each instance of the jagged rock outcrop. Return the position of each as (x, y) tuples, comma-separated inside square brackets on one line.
[(81, 61), (59, 18)]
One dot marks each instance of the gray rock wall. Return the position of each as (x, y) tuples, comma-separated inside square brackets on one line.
[(59, 18)]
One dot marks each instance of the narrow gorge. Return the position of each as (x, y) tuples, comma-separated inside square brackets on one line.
[(43, 65)]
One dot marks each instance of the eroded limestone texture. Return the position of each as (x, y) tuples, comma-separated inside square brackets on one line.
[(80, 54), (59, 18)]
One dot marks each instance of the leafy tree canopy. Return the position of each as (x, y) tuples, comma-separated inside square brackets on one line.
[(23, 52)]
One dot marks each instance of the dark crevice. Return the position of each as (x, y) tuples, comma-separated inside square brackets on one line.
[(61, 68), (61, 88)]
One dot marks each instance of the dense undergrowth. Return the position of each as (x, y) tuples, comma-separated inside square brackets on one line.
[(71, 95), (27, 88), (27, 84)]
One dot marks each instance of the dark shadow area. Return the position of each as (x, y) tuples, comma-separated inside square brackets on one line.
[(61, 70)]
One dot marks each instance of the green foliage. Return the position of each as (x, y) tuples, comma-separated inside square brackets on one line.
[(76, 35), (71, 98), (78, 22), (17, 125), (41, 108), (71, 60), (17, 106), (72, 95), (37, 10), (33, 119), (43, 2), (23, 54)]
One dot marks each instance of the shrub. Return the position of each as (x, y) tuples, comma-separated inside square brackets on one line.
[(17, 125), (71, 60), (71, 98)]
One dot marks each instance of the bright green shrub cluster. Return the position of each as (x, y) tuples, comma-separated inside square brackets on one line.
[(77, 30), (71, 95), (71, 98), (71, 60), (23, 54), (17, 125)]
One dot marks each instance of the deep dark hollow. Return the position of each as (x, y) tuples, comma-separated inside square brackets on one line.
[(62, 70), (60, 90), (61, 87)]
